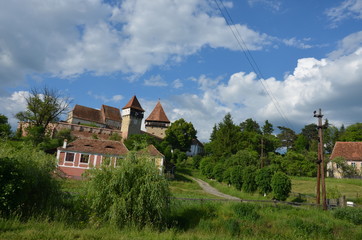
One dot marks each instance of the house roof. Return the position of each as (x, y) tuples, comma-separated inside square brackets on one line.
[(134, 103), (95, 146), (196, 141), (348, 150), (87, 113), (152, 151), (111, 113), (158, 114)]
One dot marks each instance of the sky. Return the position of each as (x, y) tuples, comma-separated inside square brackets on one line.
[(275, 60)]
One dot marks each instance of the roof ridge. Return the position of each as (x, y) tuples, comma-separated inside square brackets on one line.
[(134, 103), (158, 114)]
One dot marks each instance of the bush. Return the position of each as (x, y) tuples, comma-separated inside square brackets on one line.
[(133, 193), (353, 215), (281, 185), (237, 177), (246, 211), (207, 167), (196, 161), (249, 184), (218, 172), (263, 178), (226, 176), (26, 183)]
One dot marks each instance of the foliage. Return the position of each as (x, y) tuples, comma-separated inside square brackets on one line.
[(139, 141), (26, 183), (196, 161), (207, 167), (5, 128), (353, 215), (345, 169), (263, 178), (281, 185), (246, 211), (218, 172), (237, 177), (243, 158), (298, 164), (180, 135), (353, 133), (43, 107), (133, 193), (115, 137), (249, 184), (287, 137), (225, 138)]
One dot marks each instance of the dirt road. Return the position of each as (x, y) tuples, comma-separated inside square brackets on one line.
[(207, 188)]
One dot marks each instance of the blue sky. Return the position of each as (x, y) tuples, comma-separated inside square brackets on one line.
[(184, 53)]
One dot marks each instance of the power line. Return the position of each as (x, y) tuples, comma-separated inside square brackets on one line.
[(250, 59)]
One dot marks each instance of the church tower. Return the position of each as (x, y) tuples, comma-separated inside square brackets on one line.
[(157, 122), (132, 115)]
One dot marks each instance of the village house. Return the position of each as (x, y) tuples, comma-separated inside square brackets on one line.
[(351, 152), (82, 154)]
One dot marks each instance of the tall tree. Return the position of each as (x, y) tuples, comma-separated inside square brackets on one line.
[(226, 138), (180, 135), (44, 106), (352, 133), (287, 137), (5, 128)]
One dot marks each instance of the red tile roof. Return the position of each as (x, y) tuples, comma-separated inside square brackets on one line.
[(134, 103), (348, 150), (111, 113), (95, 146), (158, 114), (87, 113), (152, 151)]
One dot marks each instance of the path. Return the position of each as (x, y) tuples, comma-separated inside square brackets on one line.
[(207, 188)]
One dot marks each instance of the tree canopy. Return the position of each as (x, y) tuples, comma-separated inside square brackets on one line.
[(180, 135), (5, 128)]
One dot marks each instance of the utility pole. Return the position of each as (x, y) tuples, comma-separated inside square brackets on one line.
[(320, 174)]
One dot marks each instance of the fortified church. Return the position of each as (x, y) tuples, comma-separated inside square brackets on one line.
[(111, 120)]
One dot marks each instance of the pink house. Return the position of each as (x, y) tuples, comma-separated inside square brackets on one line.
[(76, 157)]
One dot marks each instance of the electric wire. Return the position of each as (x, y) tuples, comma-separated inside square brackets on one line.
[(250, 59)]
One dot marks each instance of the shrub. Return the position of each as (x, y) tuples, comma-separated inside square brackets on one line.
[(26, 183), (207, 167), (263, 178), (281, 185), (353, 215), (226, 176), (246, 211), (218, 172), (249, 184), (237, 177), (196, 161), (133, 193)]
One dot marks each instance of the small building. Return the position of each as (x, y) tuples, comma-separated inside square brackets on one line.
[(351, 152), (82, 154), (197, 148)]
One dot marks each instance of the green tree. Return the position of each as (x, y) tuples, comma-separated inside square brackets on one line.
[(243, 158), (139, 141), (237, 177), (43, 107), (249, 184), (133, 193), (225, 138), (281, 185), (180, 135), (268, 128), (218, 171), (5, 128), (352, 133), (263, 178), (287, 137)]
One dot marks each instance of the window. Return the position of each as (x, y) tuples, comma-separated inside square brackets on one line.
[(84, 158), (69, 157), (353, 164)]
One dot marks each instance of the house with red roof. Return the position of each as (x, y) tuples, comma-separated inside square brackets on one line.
[(82, 154), (351, 152)]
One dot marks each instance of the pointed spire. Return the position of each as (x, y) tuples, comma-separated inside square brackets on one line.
[(158, 114), (134, 103)]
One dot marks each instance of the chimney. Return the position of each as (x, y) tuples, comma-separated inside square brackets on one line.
[(65, 143)]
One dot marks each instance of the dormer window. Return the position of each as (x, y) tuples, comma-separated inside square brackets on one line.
[(88, 145), (108, 146)]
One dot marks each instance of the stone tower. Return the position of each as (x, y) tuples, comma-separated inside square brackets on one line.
[(157, 122), (132, 115)]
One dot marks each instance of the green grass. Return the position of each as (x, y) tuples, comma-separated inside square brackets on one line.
[(195, 220)]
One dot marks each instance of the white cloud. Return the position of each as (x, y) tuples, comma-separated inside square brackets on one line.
[(293, 42), (155, 81), (347, 9), (177, 83), (68, 38), (274, 5), (11, 105), (333, 84)]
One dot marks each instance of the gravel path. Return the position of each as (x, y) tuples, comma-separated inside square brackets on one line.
[(207, 188)]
